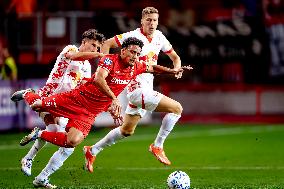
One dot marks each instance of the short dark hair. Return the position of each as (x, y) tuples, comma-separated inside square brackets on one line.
[(132, 41), (93, 34)]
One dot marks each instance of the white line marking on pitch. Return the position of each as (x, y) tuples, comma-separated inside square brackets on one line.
[(211, 132), (166, 168), (183, 134)]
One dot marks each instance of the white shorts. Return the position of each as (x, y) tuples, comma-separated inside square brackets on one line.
[(140, 101)]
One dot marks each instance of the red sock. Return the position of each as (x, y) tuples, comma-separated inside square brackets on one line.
[(31, 97), (57, 138)]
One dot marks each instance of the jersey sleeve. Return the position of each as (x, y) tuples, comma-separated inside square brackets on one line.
[(106, 63), (121, 37), (61, 65), (69, 48), (47, 90), (87, 70), (142, 67), (166, 45)]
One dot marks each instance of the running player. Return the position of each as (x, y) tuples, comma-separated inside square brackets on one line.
[(82, 104), (140, 93), (70, 70)]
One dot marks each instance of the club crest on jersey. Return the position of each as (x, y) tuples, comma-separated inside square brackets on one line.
[(107, 61)]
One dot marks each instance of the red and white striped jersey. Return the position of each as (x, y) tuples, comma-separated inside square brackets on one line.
[(66, 74)]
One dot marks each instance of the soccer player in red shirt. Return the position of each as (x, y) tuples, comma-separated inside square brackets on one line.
[(98, 94), (70, 70)]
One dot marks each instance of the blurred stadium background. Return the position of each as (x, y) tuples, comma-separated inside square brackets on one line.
[(235, 46)]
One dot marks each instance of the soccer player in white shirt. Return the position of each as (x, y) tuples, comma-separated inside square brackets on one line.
[(70, 70), (140, 91)]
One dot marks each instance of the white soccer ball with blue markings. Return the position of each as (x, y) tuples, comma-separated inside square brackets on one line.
[(178, 179)]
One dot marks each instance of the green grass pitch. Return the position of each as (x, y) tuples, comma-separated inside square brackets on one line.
[(214, 156)]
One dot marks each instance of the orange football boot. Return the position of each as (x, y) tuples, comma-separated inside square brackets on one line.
[(89, 158), (159, 154)]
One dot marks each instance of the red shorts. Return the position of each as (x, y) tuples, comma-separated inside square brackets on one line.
[(74, 106), (80, 125)]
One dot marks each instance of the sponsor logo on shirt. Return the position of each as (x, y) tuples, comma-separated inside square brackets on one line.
[(107, 61), (119, 36), (84, 70), (120, 81)]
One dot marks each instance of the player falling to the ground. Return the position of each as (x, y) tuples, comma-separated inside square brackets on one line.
[(140, 93), (71, 69), (82, 104)]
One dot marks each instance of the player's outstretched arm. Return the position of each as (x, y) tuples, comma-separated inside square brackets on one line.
[(174, 58), (165, 70), (80, 56), (108, 44)]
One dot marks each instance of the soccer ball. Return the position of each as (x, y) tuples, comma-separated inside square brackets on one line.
[(178, 179)]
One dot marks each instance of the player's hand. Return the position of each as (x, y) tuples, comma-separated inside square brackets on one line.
[(100, 55), (180, 71), (115, 108), (37, 106), (177, 72), (118, 121)]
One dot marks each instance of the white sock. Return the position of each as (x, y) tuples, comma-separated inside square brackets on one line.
[(167, 126), (55, 162), (111, 138), (39, 143), (51, 128)]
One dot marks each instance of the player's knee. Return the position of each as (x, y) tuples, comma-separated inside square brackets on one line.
[(73, 142), (177, 109), (127, 132)]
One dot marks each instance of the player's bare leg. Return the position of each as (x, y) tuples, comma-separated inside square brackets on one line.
[(74, 137), (127, 129), (129, 124), (174, 110), (169, 105)]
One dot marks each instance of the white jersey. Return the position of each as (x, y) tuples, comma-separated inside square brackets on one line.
[(66, 74), (150, 52)]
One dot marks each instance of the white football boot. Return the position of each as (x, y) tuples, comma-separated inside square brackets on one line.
[(27, 166), (19, 95), (43, 183)]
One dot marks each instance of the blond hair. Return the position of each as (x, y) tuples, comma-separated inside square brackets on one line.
[(149, 10)]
